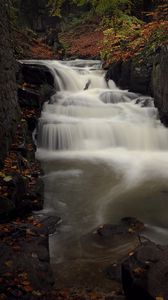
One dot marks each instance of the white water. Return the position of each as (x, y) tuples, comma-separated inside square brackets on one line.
[(105, 157)]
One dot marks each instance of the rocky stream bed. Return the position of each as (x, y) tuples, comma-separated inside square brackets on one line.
[(139, 268)]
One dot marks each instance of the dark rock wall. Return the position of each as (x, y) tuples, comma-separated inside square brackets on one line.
[(132, 75), (9, 110), (160, 83), (148, 78)]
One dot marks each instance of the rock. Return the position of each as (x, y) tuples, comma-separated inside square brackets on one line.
[(7, 207), (140, 77), (38, 189), (159, 86), (145, 101), (51, 223), (32, 123), (22, 150), (144, 274), (36, 85), (133, 223), (114, 72), (29, 98), (113, 272), (131, 75), (147, 78), (120, 73), (20, 189), (43, 254), (34, 74), (126, 227)]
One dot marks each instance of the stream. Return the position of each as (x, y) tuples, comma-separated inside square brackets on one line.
[(105, 156)]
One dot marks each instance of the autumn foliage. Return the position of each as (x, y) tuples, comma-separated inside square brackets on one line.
[(83, 42), (137, 39)]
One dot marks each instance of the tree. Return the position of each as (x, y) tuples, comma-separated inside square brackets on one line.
[(8, 97)]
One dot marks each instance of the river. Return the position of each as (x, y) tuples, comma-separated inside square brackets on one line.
[(105, 156)]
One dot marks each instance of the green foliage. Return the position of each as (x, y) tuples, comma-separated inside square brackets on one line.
[(128, 28), (55, 7), (113, 7)]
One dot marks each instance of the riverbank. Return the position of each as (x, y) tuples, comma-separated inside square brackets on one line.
[(25, 271)]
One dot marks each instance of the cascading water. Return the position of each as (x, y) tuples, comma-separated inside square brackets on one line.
[(105, 156)]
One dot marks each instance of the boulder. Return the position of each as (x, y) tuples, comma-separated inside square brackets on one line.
[(132, 75), (144, 273), (29, 98), (7, 207), (159, 83), (34, 74), (140, 77)]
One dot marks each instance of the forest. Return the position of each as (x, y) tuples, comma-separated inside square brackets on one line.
[(83, 149), (120, 29)]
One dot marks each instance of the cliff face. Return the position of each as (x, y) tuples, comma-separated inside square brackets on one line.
[(148, 78), (160, 83), (9, 110)]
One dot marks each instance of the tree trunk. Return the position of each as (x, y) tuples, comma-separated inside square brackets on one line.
[(9, 109)]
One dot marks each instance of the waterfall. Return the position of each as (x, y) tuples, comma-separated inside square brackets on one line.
[(105, 156), (98, 117)]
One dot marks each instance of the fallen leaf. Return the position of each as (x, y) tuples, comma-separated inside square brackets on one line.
[(7, 178), (2, 174), (40, 225), (130, 230), (9, 263), (37, 293), (23, 275), (16, 248), (29, 232), (138, 270), (26, 283), (28, 289)]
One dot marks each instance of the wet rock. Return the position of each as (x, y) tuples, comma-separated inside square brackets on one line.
[(145, 101), (51, 223), (24, 256), (132, 75), (29, 98), (114, 72), (22, 150), (120, 73), (113, 272), (159, 78), (117, 96), (133, 223), (144, 274), (43, 254), (126, 227), (140, 77), (148, 78), (20, 186), (7, 207), (38, 189), (32, 123), (34, 74)]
